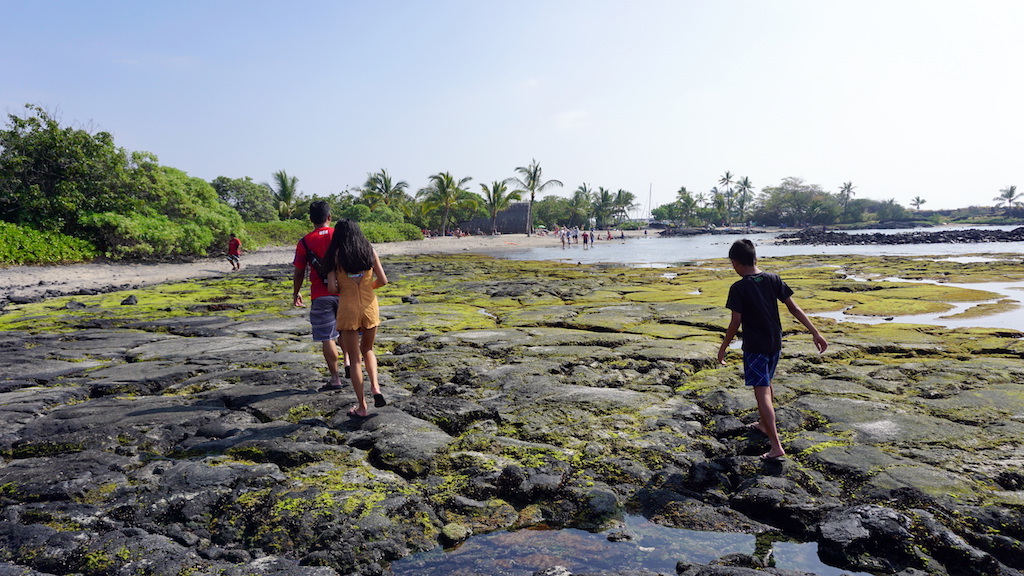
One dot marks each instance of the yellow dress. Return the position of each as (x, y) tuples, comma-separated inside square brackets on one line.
[(357, 301)]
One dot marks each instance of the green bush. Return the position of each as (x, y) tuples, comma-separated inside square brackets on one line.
[(135, 236), (384, 214), (288, 232), (390, 232), (24, 245), (358, 212), (278, 233)]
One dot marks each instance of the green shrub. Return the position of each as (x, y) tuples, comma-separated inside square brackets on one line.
[(358, 212), (390, 232), (24, 245), (277, 233), (384, 214), (135, 236)]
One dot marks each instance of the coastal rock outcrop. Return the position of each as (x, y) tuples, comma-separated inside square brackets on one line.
[(819, 235), (154, 439)]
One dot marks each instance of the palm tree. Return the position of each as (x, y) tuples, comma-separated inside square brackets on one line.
[(746, 192), (445, 193), (1008, 196), (687, 207), (916, 202), (530, 181), (580, 205), (380, 189), (726, 181), (623, 203), (497, 198), (285, 193), (718, 202), (604, 206), (845, 193)]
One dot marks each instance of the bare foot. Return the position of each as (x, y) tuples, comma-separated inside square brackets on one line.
[(756, 427), (771, 455), (354, 412)]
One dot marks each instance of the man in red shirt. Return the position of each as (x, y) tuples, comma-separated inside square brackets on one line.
[(234, 251), (323, 309)]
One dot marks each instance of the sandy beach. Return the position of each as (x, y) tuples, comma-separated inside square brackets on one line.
[(33, 281)]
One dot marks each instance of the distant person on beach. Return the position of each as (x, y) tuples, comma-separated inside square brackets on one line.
[(355, 274), (234, 252), (753, 302), (310, 254)]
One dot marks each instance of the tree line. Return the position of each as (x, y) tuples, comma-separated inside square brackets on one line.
[(71, 182), (794, 203)]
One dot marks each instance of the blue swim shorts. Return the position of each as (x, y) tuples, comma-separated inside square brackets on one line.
[(323, 316), (759, 369)]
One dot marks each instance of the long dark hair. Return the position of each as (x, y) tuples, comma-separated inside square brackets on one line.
[(349, 251)]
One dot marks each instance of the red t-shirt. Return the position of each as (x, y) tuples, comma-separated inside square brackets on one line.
[(318, 241), (233, 247)]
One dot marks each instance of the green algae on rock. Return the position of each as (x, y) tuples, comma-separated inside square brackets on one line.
[(519, 393)]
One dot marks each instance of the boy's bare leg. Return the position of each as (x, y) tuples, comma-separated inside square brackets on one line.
[(766, 410)]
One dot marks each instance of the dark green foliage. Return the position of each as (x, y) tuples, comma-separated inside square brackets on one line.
[(67, 180), (390, 232), (278, 233), (384, 214), (357, 212), (253, 202), (181, 217), (24, 245), (288, 232), (552, 211), (49, 174)]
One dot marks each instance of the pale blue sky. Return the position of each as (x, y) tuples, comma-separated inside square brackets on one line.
[(902, 98)]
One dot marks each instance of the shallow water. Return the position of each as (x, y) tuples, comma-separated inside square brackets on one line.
[(656, 252), (652, 547), (659, 548)]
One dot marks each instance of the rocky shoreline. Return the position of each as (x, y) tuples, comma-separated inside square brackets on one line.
[(183, 433), (819, 235)]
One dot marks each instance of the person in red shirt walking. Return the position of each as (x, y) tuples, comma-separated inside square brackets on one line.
[(234, 252), (323, 308)]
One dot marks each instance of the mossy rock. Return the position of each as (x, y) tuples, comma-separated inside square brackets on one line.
[(434, 317), (934, 482)]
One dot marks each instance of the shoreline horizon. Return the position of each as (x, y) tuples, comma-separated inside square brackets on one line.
[(24, 283)]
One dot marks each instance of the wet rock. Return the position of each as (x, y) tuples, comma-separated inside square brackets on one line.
[(868, 537), (820, 236), (399, 442), (201, 441)]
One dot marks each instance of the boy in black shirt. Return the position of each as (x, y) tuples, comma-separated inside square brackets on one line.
[(753, 301)]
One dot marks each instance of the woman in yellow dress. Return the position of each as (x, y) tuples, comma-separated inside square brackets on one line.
[(357, 273)]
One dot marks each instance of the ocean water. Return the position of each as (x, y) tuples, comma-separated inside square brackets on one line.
[(650, 546), (657, 252)]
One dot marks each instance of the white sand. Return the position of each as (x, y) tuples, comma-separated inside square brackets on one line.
[(30, 281)]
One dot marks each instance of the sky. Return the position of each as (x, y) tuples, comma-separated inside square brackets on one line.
[(902, 98)]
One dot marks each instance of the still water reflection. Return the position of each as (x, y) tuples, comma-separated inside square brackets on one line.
[(652, 547)]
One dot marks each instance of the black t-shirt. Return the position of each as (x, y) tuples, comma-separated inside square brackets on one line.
[(756, 298)]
